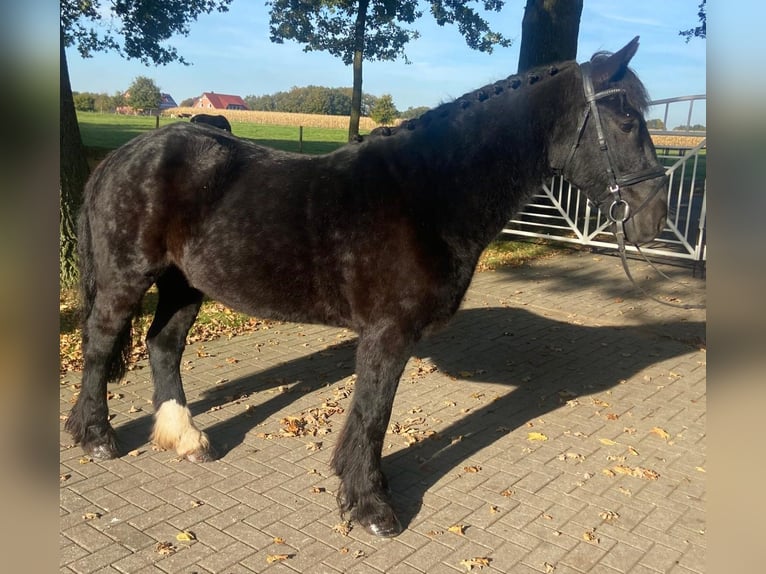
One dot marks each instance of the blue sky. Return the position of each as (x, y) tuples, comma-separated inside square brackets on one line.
[(231, 53)]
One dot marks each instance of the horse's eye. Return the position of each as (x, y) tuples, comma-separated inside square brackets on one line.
[(626, 126)]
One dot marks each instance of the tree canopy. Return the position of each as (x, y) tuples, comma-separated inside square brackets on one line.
[(358, 30), (137, 28), (144, 94)]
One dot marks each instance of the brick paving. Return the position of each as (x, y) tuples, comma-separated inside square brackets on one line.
[(556, 425)]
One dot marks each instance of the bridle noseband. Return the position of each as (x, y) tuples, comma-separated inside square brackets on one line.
[(619, 210)]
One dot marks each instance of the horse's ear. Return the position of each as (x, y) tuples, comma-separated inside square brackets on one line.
[(613, 68)]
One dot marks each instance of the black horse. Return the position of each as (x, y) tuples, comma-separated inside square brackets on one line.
[(381, 236), (218, 121)]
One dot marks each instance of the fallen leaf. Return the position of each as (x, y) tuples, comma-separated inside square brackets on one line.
[(566, 456), (342, 528), (506, 492), (608, 515), (164, 548), (590, 536), (318, 490), (493, 509), (271, 558), (457, 529), (65, 477), (548, 567), (662, 433), (536, 436), (135, 452), (607, 441), (278, 540), (91, 515), (185, 536), (471, 469), (479, 562)]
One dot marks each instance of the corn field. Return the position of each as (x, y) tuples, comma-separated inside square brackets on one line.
[(666, 141), (277, 118)]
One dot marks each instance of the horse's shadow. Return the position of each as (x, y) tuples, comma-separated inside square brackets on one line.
[(536, 357)]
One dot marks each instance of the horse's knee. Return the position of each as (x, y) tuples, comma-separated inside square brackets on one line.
[(174, 428)]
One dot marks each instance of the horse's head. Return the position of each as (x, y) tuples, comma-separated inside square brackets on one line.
[(605, 149)]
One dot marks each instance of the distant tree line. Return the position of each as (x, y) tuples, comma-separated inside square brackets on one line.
[(92, 102), (658, 124), (329, 101), (302, 100), (143, 93)]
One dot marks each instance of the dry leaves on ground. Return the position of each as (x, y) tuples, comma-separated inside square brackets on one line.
[(478, 562)]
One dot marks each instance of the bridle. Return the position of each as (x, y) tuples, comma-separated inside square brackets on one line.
[(619, 211)]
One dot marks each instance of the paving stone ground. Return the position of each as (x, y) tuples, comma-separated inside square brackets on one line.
[(556, 425)]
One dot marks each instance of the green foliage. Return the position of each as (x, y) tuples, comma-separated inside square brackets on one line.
[(189, 102), (84, 102), (384, 112), (655, 124), (331, 25), (144, 94), (137, 29), (310, 100), (306, 100), (415, 112), (698, 31)]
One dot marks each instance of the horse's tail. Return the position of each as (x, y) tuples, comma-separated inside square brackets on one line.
[(120, 353)]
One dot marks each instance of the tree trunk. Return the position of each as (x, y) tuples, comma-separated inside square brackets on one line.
[(356, 90), (549, 32), (73, 173)]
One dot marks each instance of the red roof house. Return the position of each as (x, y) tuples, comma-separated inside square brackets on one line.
[(213, 101)]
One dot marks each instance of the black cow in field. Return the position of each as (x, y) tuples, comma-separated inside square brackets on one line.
[(217, 121)]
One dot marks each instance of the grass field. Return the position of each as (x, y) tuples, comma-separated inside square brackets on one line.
[(103, 132)]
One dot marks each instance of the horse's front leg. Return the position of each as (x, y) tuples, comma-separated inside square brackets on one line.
[(380, 359)]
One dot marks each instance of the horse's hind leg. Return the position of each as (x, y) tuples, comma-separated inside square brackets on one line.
[(177, 309), (106, 344), (381, 356)]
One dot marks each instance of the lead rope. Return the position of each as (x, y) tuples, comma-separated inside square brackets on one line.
[(620, 236)]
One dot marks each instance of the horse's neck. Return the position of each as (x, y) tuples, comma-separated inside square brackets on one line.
[(484, 157)]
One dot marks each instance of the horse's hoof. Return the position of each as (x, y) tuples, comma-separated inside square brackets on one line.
[(103, 451), (385, 528), (201, 455)]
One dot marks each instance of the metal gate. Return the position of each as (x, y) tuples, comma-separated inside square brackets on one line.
[(561, 212)]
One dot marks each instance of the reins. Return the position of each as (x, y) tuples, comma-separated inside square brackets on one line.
[(619, 211)]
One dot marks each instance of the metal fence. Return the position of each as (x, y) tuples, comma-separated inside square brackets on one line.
[(561, 212)]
